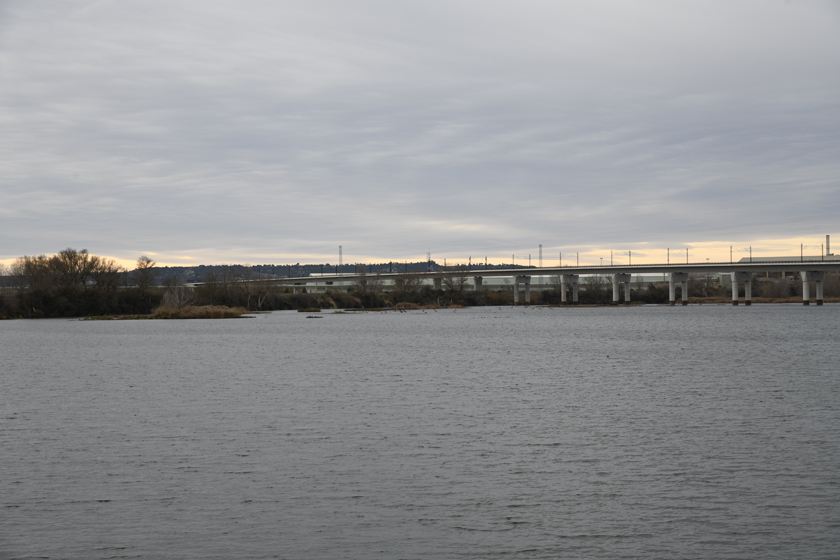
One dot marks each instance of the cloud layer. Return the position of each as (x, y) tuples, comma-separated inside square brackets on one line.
[(276, 131)]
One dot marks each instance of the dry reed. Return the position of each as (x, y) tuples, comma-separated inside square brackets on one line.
[(199, 312)]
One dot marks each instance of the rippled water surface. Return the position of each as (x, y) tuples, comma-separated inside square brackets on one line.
[(651, 432)]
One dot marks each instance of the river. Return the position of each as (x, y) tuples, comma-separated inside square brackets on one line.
[(647, 432)]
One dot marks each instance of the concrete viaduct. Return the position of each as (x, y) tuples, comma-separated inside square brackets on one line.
[(810, 271)]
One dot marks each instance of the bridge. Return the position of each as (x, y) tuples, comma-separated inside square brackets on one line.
[(810, 269)]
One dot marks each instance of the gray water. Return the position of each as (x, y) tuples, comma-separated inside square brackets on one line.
[(652, 432)]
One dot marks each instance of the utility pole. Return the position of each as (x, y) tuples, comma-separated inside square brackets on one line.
[(429, 259), (560, 262), (669, 256), (340, 259), (540, 255), (611, 263), (686, 255), (730, 255), (529, 260)]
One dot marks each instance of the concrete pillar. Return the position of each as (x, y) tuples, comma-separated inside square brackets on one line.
[(806, 290), (734, 290), (478, 283), (619, 279), (516, 290), (746, 278), (527, 280), (682, 278), (812, 276), (563, 292), (570, 279), (437, 282)]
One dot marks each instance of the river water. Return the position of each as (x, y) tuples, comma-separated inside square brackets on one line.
[(645, 432)]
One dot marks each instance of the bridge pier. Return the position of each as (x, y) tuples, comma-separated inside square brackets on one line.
[(437, 282), (478, 283), (817, 277), (617, 280), (746, 278), (525, 280), (682, 278), (565, 280)]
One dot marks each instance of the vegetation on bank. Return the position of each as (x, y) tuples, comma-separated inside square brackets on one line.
[(76, 284), (199, 312)]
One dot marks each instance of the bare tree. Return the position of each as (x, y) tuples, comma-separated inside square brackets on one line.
[(245, 283), (106, 274), (831, 284), (556, 283), (5, 272), (455, 278), (210, 288), (225, 277), (144, 274), (597, 286), (177, 295), (365, 284), (408, 285), (71, 270)]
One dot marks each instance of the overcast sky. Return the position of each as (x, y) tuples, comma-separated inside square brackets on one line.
[(273, 132)]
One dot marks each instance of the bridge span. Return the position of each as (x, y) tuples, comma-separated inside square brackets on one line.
[(812, 270)]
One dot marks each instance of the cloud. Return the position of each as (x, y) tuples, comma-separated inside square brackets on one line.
[(281, 130)]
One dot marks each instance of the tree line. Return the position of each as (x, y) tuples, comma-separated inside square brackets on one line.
[(75, 283)]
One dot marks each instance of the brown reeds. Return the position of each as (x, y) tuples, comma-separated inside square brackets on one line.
[(199, 312)]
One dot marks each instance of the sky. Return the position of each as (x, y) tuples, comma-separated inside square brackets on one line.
[(273, 132)]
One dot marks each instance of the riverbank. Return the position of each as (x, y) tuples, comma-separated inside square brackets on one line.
[(186, 312)]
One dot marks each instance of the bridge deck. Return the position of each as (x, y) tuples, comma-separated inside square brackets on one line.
[(697, 268)]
